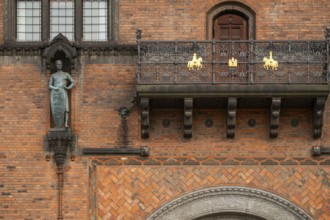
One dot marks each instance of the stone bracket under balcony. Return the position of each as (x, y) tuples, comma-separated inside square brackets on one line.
[(230, 97), (232, 75)]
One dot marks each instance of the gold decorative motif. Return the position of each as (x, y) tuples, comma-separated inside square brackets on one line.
[(232, 62), (270, 63), (195, 63)]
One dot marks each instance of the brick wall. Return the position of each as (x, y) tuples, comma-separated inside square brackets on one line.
[(186, 19), (102, 186), (136, 192), (26, 180)]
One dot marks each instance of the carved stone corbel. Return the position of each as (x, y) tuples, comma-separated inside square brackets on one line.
[(318, 110), (274, 120), (58, 142), (188, 115), (231, 117), (144, 103)]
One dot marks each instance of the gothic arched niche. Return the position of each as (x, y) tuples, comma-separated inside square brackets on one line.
[(238, 202), (235, 8), (60, 55), (60, 48), (66, 67)]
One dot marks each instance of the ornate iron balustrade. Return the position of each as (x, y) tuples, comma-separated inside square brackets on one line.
[(299, 62)]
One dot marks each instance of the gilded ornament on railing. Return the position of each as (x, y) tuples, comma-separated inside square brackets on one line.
[(232, 62), (195, 63), (270, 63)]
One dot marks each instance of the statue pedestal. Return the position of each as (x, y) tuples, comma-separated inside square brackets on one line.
[(57, 142)]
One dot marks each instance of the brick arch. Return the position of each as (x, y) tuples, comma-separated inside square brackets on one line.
[(230, 6), (230, 199)]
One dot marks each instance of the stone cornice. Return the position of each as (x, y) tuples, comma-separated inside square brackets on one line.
[(83, 49), (211, 161)]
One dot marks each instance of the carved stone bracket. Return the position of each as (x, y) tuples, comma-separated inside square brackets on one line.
[(59, 141), (144, 103), (60, 43), (318, 151), (188, 115), (231, 117), (274, 117), (318, 110)]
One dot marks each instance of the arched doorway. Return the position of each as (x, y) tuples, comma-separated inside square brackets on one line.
[(230, 26), (238, 17), (228, 203)]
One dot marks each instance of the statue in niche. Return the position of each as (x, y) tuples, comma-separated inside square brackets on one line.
[(59, 83)]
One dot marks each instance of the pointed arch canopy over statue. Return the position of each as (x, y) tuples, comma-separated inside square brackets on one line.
[(60, 44)]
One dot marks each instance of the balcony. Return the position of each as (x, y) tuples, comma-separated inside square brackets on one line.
[(227, 74)]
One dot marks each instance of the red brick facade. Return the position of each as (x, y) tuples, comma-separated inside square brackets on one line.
[(133, 187), (137, 191), (186, 19)]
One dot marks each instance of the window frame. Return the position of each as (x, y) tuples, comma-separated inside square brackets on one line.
[(91, 17), (25, 32), (11, 23), (74, 15)]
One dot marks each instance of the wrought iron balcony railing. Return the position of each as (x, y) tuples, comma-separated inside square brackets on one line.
[(298, 62), (232, 74)]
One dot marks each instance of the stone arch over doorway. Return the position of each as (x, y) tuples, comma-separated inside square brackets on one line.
[(230, 200), (231, 7)]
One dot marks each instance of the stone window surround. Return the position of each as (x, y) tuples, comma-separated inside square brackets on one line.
[(10, 22)]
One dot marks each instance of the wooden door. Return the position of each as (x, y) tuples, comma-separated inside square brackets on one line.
[(230, 27)]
